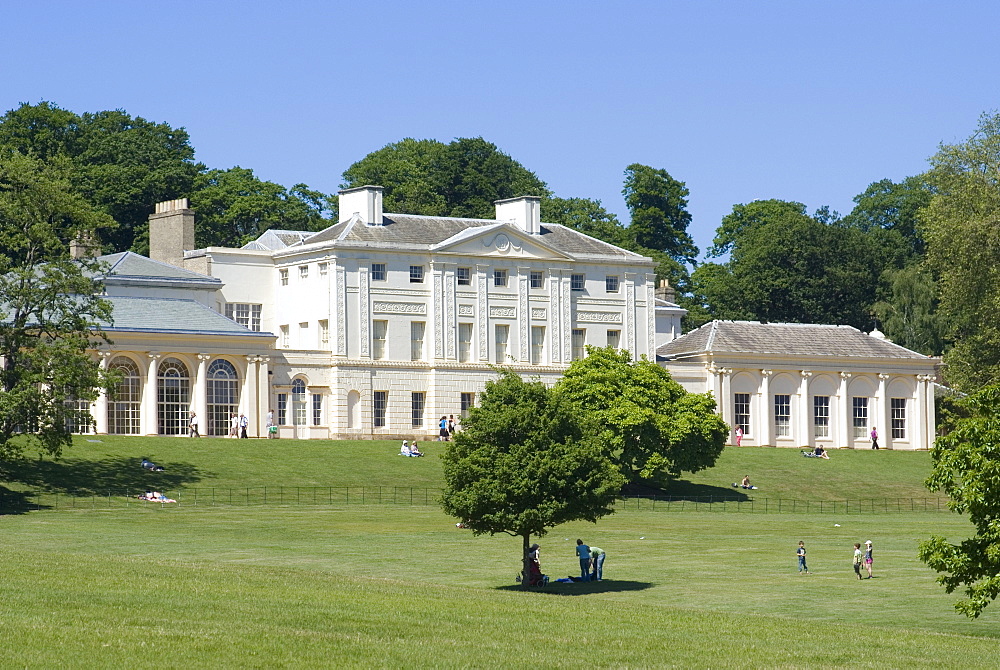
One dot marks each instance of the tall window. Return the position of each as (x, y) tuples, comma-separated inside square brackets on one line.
[(579, 343), (283, 276), (77, 418), (378, 339), (577, 281), (416, 274), (417, 409), (499, 277), (282, 409), (860, 417), (782, 415), (611, 283), (378, 271), (125, 402), (245, 314), (324, 333), (468, 402), (379, 400), (464, 342), (537, 345), (299, 407), (500, 334), (897, 408), (741, 411), (222, 390), (317, 409), (821, 416), (173, 397), (614, 338), (464, 276), (303, 272), (284, 336), (417, 340), (537, 279)]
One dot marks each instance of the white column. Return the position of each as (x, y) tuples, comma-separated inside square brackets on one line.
[(725, 399), (881, 413), (147, 422), (201, 393), (248, 396), (716, 386), (804, 413), (630, 339), (844, 423), (264, 391), (99, 408), (482, 314), (523, 323), (764, 403)]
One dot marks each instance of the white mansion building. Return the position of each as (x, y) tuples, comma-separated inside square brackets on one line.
[(382, 323)]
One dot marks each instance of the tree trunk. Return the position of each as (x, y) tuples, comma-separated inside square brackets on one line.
[(525, 562)]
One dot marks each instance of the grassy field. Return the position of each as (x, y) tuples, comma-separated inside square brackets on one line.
[(400, 586)]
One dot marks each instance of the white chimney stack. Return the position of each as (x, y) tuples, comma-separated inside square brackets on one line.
[(365, 201), (524, 211)]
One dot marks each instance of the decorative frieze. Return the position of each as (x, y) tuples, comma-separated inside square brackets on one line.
[(466, 310), (503, 312), (538, 313), (383, 307), (599, 317)]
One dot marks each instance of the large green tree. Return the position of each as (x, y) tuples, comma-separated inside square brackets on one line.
[(966, 466), (49, 305), (962, 224), (649, 425), (523, 463)]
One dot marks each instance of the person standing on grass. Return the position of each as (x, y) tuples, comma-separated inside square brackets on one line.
[(597, 564), (193, 426), (443, 429), (801, 553), (857, 559), (868, 557), (234, 425), (874, 436), (244, 423), (272, 430), (739, 435), (583, 552)]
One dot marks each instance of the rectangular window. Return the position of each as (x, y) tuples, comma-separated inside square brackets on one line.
[(464, 276), (611, 283), (283, 277), (317, 409), (897, 408), (614, 338), (324, 333), (379, 402), (416, 274), (537, 345), (576, 282), (468, 402), (537, 279), (464, 342), (782, 415), (417, 340), (303, 272), (245, 314), (322, 269), (501, 332), (379, 329), (284, 336), (741, 411), (860, 418), (378, 272), (417, 409), (282, 409), (821, 416), (499, 277), (579, 343)]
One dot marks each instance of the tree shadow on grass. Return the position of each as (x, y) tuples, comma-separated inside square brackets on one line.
[(680, 489), (115, 476), (582, 588)]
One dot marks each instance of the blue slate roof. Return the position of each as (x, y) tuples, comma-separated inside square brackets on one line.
[(170, 315)]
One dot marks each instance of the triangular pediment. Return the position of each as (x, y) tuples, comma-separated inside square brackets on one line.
[(499, 240)]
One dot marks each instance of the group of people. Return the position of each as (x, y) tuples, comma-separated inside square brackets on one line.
[(155, 496), (407, 449), (861, 559), (150, 465), (745, 484), (448, 425), (591, 562)]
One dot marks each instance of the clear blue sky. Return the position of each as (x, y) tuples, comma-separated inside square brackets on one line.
[(799, 99)]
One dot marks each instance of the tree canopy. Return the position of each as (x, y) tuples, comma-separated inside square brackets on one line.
[(523, 463), (966, 466), (49, 305), (648, 424)]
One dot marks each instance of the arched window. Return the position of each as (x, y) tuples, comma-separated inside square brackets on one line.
[(173, 397), (222, 388), (125, 403), (299, 407)]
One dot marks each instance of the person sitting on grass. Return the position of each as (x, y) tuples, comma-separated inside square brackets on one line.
[(821, 453), (414, 451), (404, 449)]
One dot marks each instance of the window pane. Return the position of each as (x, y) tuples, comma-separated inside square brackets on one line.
[(537, 280), (468, 402), (378, 339), (614, 338), (579, 343), (317, 409), (499, 277), (378, 408), (464, 342), (417, 409), (741, 411), (576, 282), (416, 274), (821, 416), (537, 345), (500, 334), (860, 417), (782, 415), (611, 283), (897, 408), (378, 271), (464, 276), (416, 340)]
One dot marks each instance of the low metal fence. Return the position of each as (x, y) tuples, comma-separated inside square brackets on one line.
[(261, 496)]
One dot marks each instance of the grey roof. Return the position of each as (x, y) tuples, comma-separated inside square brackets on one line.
[(423, 232), (783, 339), (273, 240), (129, 266), (171, 315)]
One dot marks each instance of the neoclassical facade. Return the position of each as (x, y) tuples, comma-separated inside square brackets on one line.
[(803, 385)]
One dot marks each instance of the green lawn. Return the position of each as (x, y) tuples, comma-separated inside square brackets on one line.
[(401, 586)]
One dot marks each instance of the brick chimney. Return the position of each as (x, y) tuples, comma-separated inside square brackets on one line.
[(664, 291), (82, 247), (525, 212), (171, 231), (365, 201)]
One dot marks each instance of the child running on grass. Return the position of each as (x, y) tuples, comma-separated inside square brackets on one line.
[(801, 553)]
